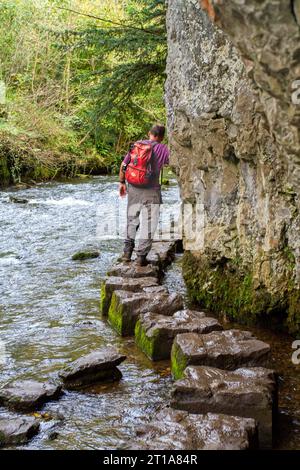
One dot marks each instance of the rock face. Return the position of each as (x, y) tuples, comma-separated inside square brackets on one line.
[(17, 430), (155, 333), (27, 395), (233, 104), (250, 393), (222, 349), (126, 307), (178, 430), (98, 366), (111, 283)]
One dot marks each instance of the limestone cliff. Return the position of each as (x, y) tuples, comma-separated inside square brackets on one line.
[(233, 121)]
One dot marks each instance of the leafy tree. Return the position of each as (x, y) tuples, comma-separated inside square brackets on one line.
[(125, 88)]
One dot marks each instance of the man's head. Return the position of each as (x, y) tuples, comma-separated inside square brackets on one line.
[(157, 133)]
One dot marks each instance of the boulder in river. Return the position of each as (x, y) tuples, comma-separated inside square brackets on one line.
[(228, 350), (98, 366), (126, 307), (17, 430), (155, 333), (111, 283), (245, 392), (178, 430), (83, 255), (132, 270), (27, 395), (18, 200)]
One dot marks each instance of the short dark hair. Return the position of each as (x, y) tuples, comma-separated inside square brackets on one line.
[(158, 131)]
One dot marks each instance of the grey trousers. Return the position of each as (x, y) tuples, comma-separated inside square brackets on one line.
[(142, 213)]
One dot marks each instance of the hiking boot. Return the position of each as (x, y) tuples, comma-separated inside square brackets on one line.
[(126, 257), (141, 261)]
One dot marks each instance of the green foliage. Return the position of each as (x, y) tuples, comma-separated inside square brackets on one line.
[(125, 92), (77, 85)]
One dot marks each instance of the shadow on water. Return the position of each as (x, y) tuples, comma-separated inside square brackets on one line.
[(49, 315)]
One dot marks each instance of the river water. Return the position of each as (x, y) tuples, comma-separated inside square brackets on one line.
[(49, 310)]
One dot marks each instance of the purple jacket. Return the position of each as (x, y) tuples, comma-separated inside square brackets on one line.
[(161, 158)]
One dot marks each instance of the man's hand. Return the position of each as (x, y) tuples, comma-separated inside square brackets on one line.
[(122, 189)]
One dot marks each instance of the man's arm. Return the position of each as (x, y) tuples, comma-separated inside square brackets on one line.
[(122, 186)]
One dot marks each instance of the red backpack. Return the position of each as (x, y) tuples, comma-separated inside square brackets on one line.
[(139, 171)]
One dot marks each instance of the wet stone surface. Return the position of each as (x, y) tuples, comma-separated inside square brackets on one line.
[(98, 366), (17, 430), (112, 283), (162, 253), (132, 270), (27, 395), (245, 392), (177, 430), (155, 333), (126, 307), (223, 349)]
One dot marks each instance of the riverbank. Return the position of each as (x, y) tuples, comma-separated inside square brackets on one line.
[(23, 159)]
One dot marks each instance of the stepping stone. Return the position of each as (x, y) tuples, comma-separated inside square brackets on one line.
[(155, 333), (98, 366), (178, 430), (111, 283), (249, 393), (126, 307), (162, 253), (28, 395), (17, 430), (132, 270), (222, 349)]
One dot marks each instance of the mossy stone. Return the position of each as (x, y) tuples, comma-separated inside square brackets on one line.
[(104, 299), (179, 362), (83, 255), (150, 345), (121, 318)]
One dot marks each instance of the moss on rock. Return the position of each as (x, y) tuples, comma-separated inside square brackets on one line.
[(115, 315), (179, 362), (83, 255), (148, 344), (104, 299), (228, 288)]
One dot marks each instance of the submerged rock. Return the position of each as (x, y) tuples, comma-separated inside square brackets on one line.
[(134, 271), (177, 430), (17, 430), (26, 395), (155, 333), (126, 307), (82, 255), (111, 283), (222, 349), (250, 393), (98, 366)]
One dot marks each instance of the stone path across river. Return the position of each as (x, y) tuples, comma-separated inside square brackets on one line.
[(208, 419), (224, 395)]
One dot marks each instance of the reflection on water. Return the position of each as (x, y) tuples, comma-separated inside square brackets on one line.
[(49, 311)]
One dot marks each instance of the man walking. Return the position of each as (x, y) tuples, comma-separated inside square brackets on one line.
[(141, 169)]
